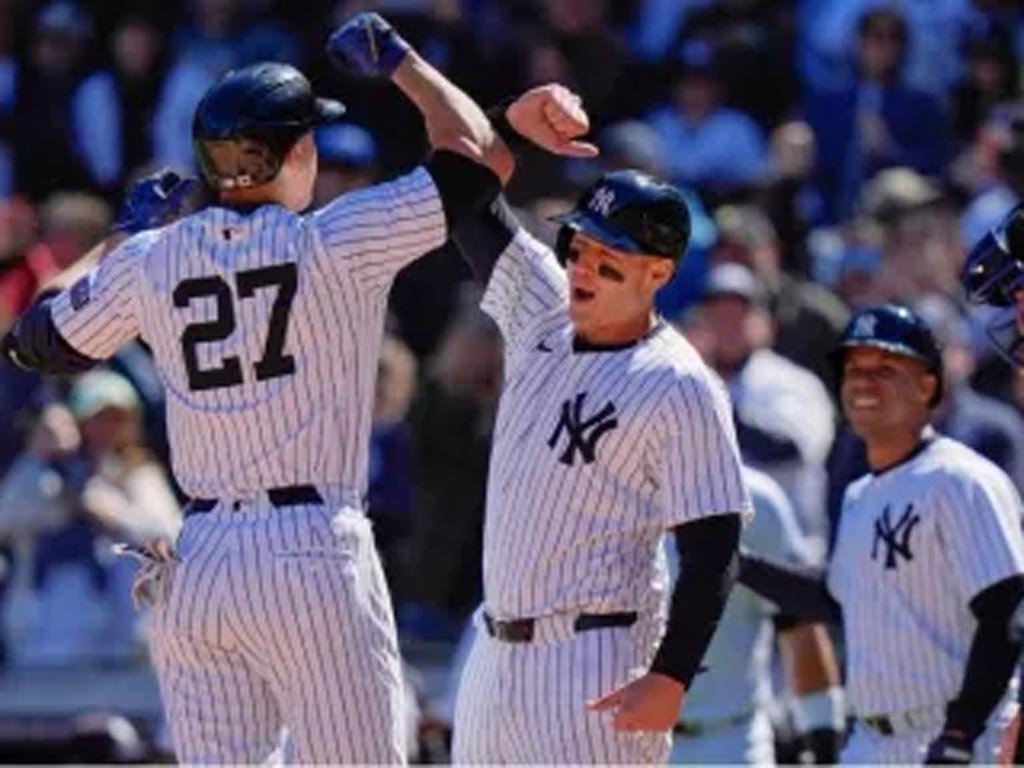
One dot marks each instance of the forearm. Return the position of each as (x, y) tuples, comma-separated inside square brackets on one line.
[(81, 266), (796, 591), (708, 563), (453, 120), (991, 660)]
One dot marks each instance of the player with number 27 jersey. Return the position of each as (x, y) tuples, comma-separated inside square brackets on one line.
[(227, 301)]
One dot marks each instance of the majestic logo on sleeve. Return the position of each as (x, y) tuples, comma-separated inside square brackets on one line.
[(895, 537), (583, 432)]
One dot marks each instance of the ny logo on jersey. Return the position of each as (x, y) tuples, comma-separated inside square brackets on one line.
[(895, 537), (583, 432), (602, 201)]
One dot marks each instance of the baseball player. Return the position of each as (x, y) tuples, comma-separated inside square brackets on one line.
[(265, 325), (727, 716), (993, 276), (928, 564), (610, 431)]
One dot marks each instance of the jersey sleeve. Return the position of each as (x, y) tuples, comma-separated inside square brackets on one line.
[(100, 311), (378, 230), (701, 473), (527, 281), (981, 529)]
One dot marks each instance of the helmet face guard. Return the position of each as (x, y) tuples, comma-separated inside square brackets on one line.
[(994, 275)]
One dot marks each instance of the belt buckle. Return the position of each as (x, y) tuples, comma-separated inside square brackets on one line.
[(511, 631)]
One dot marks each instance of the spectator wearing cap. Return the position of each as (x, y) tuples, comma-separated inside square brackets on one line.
[(784, 416), (348, 160), (921, 251), (708, 145), (807, 318), (877, 121), (125, 497)]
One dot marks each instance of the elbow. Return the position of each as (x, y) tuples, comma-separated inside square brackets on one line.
[(482, 146)]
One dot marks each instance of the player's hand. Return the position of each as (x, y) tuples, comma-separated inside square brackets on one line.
[(553, 118), (1008, 742), (367, 45), (649, 703), (950, 748), (154, 201)]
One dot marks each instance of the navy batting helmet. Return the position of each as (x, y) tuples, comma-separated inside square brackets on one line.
[(895, 329), (631, 212), (248, 121)]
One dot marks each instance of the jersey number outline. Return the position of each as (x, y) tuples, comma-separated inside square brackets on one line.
[(275, 362)]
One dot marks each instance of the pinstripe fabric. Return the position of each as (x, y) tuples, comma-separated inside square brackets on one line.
[(908, 627), (526, 703), (309, 427), (594, 456), (584, 535), (866, 747), (274, 618)]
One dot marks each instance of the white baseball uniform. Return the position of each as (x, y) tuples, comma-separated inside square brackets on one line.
[(595, 455), (915, 544), (265, 326), (725, 718)]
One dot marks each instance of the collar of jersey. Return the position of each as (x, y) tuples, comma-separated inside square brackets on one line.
[(582, 345), (926, 440)]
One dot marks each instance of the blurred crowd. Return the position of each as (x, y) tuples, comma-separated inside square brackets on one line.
[(835, 153)]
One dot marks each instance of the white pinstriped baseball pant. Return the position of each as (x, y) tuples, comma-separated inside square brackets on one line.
[(527, 702), (279, 618)]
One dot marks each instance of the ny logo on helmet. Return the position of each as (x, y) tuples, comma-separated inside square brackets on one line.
[(865, 326), (602, 201)]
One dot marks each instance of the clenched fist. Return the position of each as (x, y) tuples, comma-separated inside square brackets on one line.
[(553, 118)]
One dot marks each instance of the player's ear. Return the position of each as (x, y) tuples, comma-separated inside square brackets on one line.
[(660, 272)]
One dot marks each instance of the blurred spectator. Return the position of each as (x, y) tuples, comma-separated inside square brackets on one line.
[(807, 317), (8, 78), (707, 145), (348, 160), (991, 427), (848, 259), (72, 223), (785, 419), (452, 422), (1000, 147), (790, 198), (921, 251), (113, 108), (46, 157), (390, 495), (24, 263), (220, 36), (991, 77), (875, 122), (932, 64)]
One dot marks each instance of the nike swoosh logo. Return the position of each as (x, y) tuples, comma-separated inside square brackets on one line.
[(542, 346)]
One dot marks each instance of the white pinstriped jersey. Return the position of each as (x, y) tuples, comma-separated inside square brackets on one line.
[(915, 544), (266, 330), (594, 454)]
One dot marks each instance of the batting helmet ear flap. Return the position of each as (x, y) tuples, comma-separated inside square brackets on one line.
[(562, 243)]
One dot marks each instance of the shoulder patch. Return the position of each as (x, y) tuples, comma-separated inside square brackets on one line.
[(80, 293)]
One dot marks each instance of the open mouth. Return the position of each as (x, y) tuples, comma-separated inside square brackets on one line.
[(581, 294)]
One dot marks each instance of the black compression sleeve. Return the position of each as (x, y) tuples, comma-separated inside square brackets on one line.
[(992, 658), (707, 571), (799, 592), (34, 343), (485, 235), (464, 185)]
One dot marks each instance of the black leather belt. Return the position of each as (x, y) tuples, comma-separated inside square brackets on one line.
[(521, 630), (285, 496)]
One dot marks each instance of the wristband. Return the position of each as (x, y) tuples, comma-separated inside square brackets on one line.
[(515, 141)]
